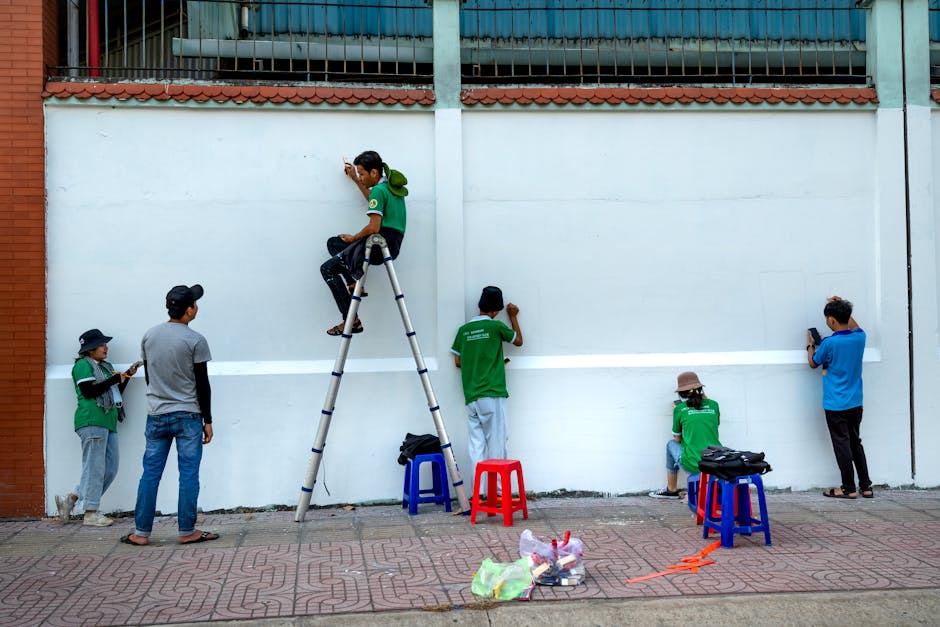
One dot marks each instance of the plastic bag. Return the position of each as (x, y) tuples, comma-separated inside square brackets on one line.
[(503, 582), (553, 563)]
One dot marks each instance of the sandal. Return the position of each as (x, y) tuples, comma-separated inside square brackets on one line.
[(352, 289), (868, 494), (205, 536), (338, 329), (127, 540), (831, 493)]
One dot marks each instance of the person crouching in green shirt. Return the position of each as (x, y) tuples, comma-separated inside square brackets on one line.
[(478, 352), (100, 406), (694, 428)]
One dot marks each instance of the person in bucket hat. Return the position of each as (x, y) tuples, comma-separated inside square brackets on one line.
[(695, 420), (478, 352), (384, 190), (99, 389)]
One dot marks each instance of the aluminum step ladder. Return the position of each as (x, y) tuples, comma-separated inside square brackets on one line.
[(326, 414)]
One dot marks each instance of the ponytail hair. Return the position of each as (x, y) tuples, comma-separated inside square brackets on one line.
[(695, 398)]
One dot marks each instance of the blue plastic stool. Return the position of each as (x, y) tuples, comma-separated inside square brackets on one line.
[(413, 494), (736, 515), (692, 493)]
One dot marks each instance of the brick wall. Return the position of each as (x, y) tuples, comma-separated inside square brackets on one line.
[(22, 253)]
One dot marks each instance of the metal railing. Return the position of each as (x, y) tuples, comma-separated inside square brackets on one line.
[(933, 17), (663, 41), (501, 41), (240, 40)]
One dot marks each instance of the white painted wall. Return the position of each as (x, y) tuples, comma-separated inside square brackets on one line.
[(637, 244)]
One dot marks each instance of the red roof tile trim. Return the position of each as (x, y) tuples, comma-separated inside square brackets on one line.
[(935, 94), (239, 93), (667, 95)]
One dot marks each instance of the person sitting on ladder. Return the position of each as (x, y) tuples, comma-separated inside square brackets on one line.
[(385, 191)]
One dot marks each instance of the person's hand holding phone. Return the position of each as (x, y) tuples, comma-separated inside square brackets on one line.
[(130, 372)]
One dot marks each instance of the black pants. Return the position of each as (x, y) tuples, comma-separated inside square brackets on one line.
[(847, 445), (336, 270), (336, 274)]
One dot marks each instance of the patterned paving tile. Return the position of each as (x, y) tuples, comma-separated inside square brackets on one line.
[(12, 568), (455, 564), (385, 532), (187, 587), (393, 590), (915, 577), (36, 594), (260, 583), (379, 558), (849, 579), (109, 595)]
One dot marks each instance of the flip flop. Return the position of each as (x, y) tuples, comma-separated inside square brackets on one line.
[(868, 494), (205, 536), (831, 493), (127, 540)]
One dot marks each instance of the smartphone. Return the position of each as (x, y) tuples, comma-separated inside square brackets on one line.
[(815, 335), (137, 364)]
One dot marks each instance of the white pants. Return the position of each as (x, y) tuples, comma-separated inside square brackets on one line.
[(486, 431)]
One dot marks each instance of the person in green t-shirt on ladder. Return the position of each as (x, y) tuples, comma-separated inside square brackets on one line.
[(695, 421), (384, 190), (478, 352)]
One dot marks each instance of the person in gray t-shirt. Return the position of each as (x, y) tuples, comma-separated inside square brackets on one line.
[(178, 409)]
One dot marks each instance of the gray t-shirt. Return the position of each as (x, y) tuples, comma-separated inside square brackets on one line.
[(170, 350)]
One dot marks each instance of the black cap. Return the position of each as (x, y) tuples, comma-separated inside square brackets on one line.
[(491, 299), (181, 297), (91, 339)]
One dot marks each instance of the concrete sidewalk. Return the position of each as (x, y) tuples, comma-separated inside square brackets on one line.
[(873, 561)]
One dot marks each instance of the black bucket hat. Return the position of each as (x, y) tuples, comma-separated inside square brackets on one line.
[(491, 299), (91, 339)]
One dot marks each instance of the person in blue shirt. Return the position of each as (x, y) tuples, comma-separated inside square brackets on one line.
[(840, 356)]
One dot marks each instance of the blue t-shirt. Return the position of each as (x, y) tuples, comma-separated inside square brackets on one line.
[(841, 356)]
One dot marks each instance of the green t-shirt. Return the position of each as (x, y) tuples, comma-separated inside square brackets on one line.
[(88, 414), (699, 430), (479, 344), (389, 206)]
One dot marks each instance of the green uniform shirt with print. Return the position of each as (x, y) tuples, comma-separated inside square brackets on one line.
[(699, 430), (479, 344), (389, 206), (88, 414)]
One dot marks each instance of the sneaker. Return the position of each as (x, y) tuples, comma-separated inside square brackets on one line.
[(96, 519), (64, 505), (664, 493)]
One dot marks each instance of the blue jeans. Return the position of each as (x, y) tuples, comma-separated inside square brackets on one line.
[(186, 429), (99, 464), (673, 456)]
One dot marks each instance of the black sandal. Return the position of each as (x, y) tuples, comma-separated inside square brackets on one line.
[(338, 329), (831, 493), (352, 289)]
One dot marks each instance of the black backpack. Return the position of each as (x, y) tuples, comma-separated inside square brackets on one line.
[(726, 463), (418, 445)]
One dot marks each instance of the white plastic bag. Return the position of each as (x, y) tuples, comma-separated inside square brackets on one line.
[(554, 563)]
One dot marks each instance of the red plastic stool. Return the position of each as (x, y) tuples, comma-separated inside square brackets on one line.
[(494, 504), (696, 497)]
